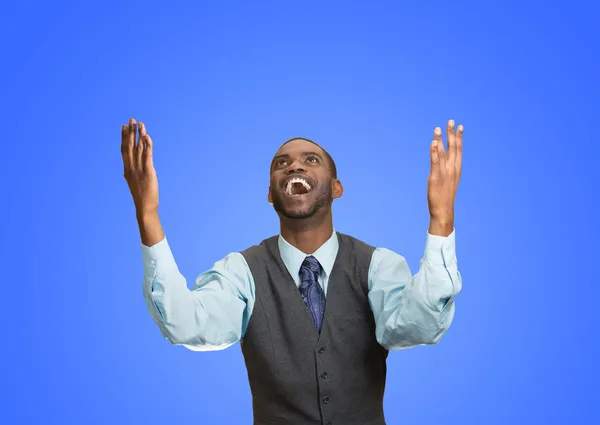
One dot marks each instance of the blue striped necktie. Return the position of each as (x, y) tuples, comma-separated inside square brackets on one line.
[(312, 293)]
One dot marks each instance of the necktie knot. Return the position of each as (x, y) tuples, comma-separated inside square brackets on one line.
[(312, 264)]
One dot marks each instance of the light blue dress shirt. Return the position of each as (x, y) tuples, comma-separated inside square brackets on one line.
[(408, 310)]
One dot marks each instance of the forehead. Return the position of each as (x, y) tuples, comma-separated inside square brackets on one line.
[(297, 147)]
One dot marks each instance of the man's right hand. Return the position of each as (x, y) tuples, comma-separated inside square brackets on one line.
[(139, 169), (141, 177)]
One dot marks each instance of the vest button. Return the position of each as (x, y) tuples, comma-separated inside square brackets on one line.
[(325, 400), (324, 375), (321, 350)]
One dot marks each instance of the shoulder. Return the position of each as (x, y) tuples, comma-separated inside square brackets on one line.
[(260, 250), (237, 260), (258, 256), (355, 244), (379, 257), (385, 261)]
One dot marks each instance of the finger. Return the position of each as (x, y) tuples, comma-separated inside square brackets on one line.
[(142, 130), (451, 142), (131, 141), (141, 142), (126, 148), (147, 157), (459, 136), (435, 157), (437, 136)]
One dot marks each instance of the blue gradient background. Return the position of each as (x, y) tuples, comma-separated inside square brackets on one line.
[(220, 87)]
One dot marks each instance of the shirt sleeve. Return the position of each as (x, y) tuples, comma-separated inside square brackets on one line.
[(414, 310), (213, 315)]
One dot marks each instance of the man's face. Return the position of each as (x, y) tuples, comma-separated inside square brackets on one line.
[(302, 183)]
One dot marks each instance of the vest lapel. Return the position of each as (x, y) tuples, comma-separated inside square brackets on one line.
[(332, 287)]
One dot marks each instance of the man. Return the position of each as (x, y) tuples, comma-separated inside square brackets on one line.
[(315, 311)]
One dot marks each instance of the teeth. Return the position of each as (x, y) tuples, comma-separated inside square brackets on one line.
[(288, 187)]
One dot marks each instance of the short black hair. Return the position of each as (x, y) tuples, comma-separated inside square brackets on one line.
[(329, 158)]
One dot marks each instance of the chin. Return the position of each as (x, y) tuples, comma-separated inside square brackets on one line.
[(298, 214), (295, 213), (300, 207)]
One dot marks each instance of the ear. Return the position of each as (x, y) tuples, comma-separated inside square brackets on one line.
[(338, 189), (270, 197)]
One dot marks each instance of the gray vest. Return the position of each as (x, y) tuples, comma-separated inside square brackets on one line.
[(298, 376)]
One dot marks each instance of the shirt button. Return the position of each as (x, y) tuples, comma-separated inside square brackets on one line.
[(324, 375), (325, 400), (322, 350)]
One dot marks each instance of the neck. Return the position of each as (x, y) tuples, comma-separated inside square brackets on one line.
[(307, 235)]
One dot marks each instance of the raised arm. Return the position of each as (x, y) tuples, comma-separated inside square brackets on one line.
[(418, 310), (214, 314)]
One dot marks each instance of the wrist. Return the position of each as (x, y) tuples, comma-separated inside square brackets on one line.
[(441, 226), (151, 231)]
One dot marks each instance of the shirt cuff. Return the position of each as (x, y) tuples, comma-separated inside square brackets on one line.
[(440, 250), (158, 256)]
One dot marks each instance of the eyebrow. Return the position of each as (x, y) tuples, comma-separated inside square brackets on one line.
[(285, 155)]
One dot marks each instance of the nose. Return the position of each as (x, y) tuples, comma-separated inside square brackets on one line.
[(292, 170), (295, 167)]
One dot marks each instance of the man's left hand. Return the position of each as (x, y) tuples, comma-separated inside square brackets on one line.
[(443, 179)]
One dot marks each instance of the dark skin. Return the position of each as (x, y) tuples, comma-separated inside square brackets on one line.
[(306, 220)]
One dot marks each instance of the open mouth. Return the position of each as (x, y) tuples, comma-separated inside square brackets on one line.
[(297, 186)]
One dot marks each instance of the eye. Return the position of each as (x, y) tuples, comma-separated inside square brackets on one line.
[(281, 162), (312, 159)]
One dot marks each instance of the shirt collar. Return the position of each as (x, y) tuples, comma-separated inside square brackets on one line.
[(292, 257)]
